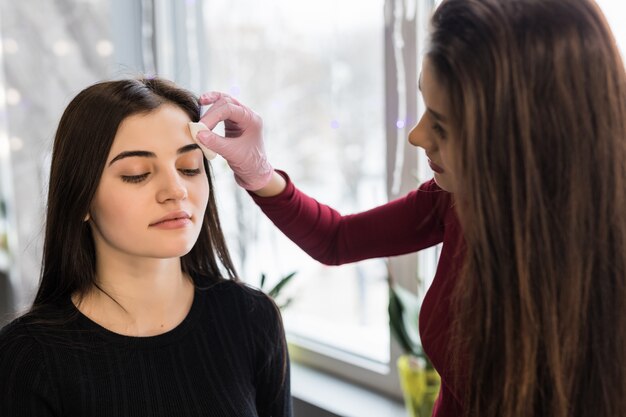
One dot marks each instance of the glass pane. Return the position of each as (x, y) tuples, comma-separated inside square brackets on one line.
[(6, 232), (615, 12), (314, 71)]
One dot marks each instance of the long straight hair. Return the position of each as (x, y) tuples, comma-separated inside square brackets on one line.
[(538, 95), (82, 143)]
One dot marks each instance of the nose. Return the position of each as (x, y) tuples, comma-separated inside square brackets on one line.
[(171, 188), (420, 136)]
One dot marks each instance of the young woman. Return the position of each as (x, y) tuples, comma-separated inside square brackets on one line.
[(134, 316), (525, 130)]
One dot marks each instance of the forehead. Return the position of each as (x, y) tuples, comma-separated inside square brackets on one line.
[(433, 93), (164, 128)]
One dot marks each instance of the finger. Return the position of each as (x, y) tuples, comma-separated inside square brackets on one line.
[(213, 96), (232, 129), (226, 111), (216, 107), (213, 142), (208, 153), (210, 97), (197, 127), (194, 129)]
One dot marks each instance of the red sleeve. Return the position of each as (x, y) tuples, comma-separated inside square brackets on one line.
[(405, 225)]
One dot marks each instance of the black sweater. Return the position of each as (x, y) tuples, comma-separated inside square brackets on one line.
[(227, 358)]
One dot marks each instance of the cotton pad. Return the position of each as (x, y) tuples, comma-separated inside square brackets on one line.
[(195, 128)]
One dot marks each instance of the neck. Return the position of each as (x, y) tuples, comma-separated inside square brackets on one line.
[(138, 297)]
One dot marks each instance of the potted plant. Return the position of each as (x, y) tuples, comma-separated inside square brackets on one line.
[(420, 382), (274, 292)]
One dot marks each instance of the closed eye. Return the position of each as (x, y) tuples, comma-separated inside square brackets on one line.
[(133, 179), (439, 131), (190, 172)]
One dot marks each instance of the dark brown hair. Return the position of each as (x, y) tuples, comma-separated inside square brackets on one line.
[(81, 146), (538, 97)]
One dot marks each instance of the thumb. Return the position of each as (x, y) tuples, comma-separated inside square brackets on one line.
[(194, 128), (211, 143)]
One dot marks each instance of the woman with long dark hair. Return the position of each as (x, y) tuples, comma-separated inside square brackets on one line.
[(139, 309), (525, 130)]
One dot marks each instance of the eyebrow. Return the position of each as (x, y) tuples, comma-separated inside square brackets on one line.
[(148, 154), (437, 116)]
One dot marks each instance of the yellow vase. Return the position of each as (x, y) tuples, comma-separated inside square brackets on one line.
[(420, 386)]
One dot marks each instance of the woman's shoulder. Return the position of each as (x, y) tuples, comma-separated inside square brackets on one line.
[(24, 370), (38, 326), (18, 344), (12, 329), (18, 329), (241, 300), (241, 293)]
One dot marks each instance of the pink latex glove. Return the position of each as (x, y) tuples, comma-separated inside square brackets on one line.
[(242, 145)]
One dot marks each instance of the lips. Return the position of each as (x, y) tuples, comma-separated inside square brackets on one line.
[(173, 216), (435, 167)]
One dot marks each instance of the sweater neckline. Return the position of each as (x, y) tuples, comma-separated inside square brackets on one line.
[(168, 337)]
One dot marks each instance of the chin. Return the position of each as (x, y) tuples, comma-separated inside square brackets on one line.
[(172, 251), (443, 182)]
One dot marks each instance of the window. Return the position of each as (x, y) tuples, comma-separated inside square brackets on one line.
[(301, 65), (615, 12), (8, 264), (336, 85)]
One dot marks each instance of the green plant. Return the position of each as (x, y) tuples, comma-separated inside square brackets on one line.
[(418, 378), (403, 319), (275, 291), (4, 239)]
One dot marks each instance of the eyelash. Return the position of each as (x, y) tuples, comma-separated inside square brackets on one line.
[(439, 130), (134, 179), (190, 172)]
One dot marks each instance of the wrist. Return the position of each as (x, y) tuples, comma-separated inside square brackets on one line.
[(273, 187), (254, 178)]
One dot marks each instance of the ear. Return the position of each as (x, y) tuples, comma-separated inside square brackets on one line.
[(87, 217)]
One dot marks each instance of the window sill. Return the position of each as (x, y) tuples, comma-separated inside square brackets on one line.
[(317, 394)]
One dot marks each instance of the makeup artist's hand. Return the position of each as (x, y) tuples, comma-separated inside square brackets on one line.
[(242, 143)]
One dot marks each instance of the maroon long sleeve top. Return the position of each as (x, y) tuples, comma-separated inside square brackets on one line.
[(421, 219)]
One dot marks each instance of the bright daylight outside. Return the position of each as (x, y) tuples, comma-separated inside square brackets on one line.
[(315, 71)]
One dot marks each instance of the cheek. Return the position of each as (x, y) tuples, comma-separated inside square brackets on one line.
[(110, 214), (199, 194), (447, 156), (114, 210), (452, 178)]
